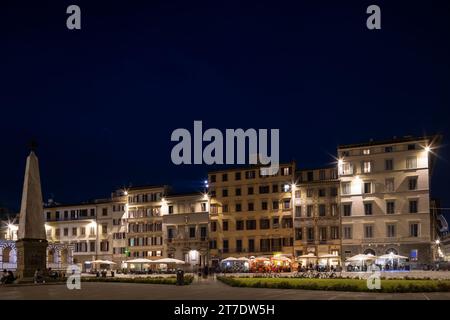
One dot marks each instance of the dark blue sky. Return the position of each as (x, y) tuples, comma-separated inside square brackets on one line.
[(103, 101)]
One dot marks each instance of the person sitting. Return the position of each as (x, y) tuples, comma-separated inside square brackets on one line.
[(10, 278), (38, 278), (4, 276)]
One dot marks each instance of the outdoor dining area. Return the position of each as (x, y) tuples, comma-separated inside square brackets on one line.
[(262, 264), (147, 266), (386, 262)]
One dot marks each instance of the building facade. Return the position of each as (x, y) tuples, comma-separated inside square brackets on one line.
[(251, 214), (376, 199), (385, 198), (316, 214)]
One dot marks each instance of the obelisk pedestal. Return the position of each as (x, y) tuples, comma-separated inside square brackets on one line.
[(31, 244)]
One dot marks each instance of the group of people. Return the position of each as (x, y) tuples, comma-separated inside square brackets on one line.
[(319, 268), (7, 277)]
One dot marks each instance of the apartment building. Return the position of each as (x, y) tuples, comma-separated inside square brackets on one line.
[(185, 228), (251, 214), (144, 210), (316, 213), (385, 197)]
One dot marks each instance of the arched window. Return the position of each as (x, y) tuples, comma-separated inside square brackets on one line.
[(6, 254), (369, 251)]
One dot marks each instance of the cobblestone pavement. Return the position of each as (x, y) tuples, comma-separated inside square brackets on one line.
[(200, 290)]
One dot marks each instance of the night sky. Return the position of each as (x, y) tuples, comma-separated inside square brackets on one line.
[(103, 101)]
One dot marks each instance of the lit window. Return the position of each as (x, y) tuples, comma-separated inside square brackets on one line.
[(389, 185), (366, 151), (367, 166)]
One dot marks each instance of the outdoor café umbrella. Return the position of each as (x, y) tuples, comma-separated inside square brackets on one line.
[(361, 257), (168, 261), (392, 256), (230, 259), (103, 262), (244, 259)]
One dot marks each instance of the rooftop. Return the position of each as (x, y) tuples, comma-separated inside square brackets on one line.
[(434, 138)]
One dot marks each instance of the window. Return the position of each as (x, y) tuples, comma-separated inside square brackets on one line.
[(310, 175), (276, 222), (239, 245), (348, 232), (264, 245), (251, 245), (333, 191), (238, 191), (286, 171), (334, 233), (275, 205), (411, 163), (104, 228), (249, 175), (298, 234), (411, 146), (237, 176), (367, 187), (250, 224), (74, 232), (170, 209), (322, 175), (66, 232), (412, 183), (368, 231), (57, 232), (213, 244), (104, 211), (212, 178), (368, 208), (225, 193), (250, 190), (391, 231), (91, 246), (322, 210), (49, 214), (347, 168), (366, 151), (298, 211), (225, 225), (264, 205), (238, 207), (334, 209), (213, 226), (297, 194), (388, 164), (390, 207), (414, 230), (346, 188), (389, 149), (264, 189), (322, 233), (413, 206), (389, 185), (309, 193), (225, 208), (251, 206), (286, 203), (275, 188), (191, 232), (310, 234), (225, 246), (239, 225), (264, 224), (203, 206), (309, 210), (224, 177), (322, 192), (83, 231)]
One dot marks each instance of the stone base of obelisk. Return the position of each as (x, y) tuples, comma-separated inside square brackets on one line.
[(31, 256)]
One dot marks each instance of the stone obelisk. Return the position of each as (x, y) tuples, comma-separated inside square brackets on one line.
[(31, 244)]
